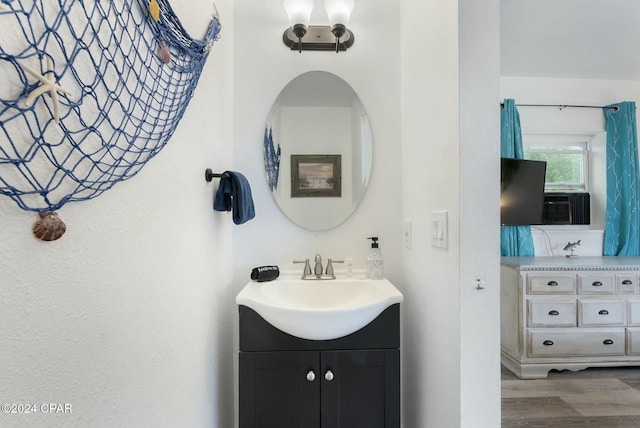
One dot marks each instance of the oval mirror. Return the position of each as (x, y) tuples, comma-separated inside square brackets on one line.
[(318, 150)]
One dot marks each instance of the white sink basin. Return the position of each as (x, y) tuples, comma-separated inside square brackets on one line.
[(319, 310)]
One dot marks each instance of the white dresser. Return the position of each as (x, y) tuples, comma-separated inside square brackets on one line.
[(561, 313)]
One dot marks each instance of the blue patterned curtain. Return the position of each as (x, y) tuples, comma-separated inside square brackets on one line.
[(623, 185), (514, 240)]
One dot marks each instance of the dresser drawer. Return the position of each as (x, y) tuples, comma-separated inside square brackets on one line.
[(633, 311), (551, 283), (575, 342), (626, 284), (551, 313), (594, 313), (633, 341), (595, 284)]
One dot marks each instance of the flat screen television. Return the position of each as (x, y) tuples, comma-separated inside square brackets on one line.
[(521, 191)]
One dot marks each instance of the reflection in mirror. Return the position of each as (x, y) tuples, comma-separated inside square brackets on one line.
[(318, 116)]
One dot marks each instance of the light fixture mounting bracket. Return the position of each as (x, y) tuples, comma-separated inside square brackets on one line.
[(318, 38)]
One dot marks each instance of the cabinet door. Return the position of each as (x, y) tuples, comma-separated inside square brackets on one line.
[(360, 389), (279, 389), (633, 307)]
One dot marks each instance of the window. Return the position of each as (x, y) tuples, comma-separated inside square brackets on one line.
[(567, 164)]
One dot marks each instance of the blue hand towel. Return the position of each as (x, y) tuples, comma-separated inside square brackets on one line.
[(234, 194)]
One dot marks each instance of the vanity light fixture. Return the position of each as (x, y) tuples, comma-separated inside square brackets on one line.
[(302, 36)]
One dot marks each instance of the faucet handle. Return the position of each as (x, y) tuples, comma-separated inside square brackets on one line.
[(307, 266), (330, 265)]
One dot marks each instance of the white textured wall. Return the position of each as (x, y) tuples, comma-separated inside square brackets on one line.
[(450, 144), (538, 90), (479, 213), (263, 66), (430, 176), (127, 318), (549, 241)]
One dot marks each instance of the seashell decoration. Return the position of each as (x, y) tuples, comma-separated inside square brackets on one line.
[(49, 227), (163, 53), (154, 10)]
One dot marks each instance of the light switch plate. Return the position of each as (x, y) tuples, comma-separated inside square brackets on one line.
[(439, 229)]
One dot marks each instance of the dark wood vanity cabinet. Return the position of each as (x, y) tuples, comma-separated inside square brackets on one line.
[(350, 382)]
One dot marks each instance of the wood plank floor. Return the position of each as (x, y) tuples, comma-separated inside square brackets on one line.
[(592, 398)]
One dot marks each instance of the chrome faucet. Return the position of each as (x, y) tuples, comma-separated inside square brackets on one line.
[(318, 270)]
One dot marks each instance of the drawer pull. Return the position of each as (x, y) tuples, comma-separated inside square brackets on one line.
[(596, 284), (603, 312), (552, 283), (311, 376), (554, 313), (627, 282), (607, 342), (547, 342)]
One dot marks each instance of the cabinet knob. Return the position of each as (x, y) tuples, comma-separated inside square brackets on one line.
[(311, 376), (552, 283), (554, 313), (328, 375), (547, 342), (607, 342), (603, 312), (596, 284)]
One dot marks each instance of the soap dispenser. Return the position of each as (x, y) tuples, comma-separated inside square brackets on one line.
[(375, 263)]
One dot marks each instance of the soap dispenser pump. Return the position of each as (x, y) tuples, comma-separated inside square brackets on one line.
[(375, 262)]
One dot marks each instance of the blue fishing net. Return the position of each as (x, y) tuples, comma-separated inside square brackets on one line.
[(271, 159), (90, 91)]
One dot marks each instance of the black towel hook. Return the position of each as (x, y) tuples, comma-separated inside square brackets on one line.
[(209, 175)]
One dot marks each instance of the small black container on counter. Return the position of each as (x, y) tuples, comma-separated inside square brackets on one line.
[(265, 273)]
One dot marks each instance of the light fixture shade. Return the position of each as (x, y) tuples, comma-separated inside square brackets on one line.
[(299, 11), (339, 11)]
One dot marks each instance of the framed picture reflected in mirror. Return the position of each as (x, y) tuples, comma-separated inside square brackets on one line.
[(316, 176)]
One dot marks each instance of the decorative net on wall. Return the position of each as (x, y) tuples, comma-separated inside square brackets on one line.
[(271, 159), (90, 91)]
